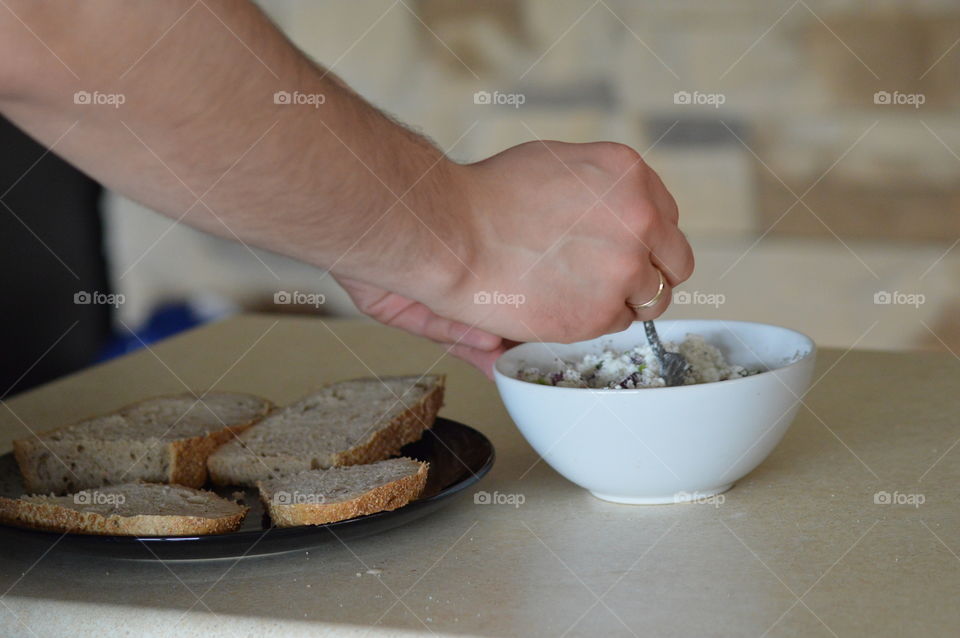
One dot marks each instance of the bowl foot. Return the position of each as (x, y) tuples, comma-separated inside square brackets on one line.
[(669, 499)]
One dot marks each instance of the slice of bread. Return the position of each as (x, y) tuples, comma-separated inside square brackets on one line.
[(133, 509), (317, 497), (160, 440), (345, 423)]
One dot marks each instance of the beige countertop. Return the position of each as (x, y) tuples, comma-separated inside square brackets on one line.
[(799, 547)]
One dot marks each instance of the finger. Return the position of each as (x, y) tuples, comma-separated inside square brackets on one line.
[(647, 285), (673, 256), (662, 199), (420, 320), (483, 360), (668, 248)]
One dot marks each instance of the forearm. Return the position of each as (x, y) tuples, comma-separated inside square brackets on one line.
[(200, 138), (576, 234)]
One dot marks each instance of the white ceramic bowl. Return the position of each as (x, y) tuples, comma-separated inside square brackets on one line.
[(662, 445)]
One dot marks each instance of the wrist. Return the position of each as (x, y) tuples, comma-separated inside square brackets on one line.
[(424, 245), (448, 230), (437, 212)]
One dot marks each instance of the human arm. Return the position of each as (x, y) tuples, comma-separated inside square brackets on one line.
[(412, 235)]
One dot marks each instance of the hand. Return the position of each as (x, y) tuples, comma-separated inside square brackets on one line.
[(473, 345), (566, 235), (568, 232)]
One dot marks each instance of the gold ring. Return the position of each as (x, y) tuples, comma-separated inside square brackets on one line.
[(656, 297)]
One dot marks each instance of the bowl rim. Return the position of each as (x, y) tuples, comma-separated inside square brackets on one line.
[(811, 352)]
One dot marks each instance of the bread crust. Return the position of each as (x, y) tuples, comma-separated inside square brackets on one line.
[(188, 457), (406, 427), (380, 499), (55, 518)]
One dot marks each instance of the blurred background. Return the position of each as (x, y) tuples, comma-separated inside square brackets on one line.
[(813, 148)]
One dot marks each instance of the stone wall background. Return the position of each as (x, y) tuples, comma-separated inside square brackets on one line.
[(803, 196)]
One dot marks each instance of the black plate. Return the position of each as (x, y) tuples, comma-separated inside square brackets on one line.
[(459, 456)]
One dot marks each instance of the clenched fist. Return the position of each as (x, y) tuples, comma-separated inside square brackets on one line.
[(553, 240)]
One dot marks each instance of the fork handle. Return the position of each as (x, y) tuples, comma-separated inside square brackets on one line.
[(654, 339)]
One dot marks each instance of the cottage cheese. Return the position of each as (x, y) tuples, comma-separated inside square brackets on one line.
[(638, 367)]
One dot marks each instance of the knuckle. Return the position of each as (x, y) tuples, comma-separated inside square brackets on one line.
[(634, 207), (615, 271), (642, 220), (621, 155)]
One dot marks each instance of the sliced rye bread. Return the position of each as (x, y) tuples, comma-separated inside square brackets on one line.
[(133, 509), (317, 497), (161, 440), (345, 423)]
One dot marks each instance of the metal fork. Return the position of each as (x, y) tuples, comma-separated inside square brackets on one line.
[(673, 365)]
